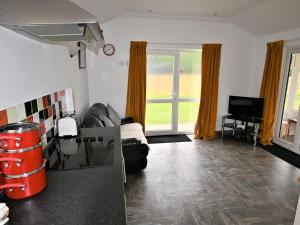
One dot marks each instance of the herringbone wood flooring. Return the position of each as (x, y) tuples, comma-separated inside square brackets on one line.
[(212, 183)]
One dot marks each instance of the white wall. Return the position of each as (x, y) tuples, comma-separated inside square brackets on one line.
[(291, 37), (108, 79), (30, 69)]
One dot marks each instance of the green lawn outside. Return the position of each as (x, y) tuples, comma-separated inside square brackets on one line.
[(297, 98), (160, 85), (158, 113), (296, 103), (161, 113)]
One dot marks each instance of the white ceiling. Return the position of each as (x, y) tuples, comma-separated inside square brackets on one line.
[(270, 17), (259, 17)]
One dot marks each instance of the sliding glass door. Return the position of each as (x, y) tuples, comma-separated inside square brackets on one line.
[(173, 90), (287, 128)]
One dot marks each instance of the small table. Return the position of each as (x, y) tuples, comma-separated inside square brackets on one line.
[(233, 126)]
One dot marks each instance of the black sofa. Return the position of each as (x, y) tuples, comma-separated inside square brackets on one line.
[(134, 144)]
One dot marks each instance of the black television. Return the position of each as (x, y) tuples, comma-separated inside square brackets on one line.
[(246, 106)]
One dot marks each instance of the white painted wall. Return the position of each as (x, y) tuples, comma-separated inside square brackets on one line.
[(30, 69), (291, 37), (108, 79)]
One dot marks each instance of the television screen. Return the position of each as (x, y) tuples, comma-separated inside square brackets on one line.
[(246, 106)]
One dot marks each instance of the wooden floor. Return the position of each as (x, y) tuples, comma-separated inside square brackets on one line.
[(212, 183)]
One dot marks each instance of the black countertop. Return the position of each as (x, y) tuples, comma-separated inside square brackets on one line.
[(87, 196)]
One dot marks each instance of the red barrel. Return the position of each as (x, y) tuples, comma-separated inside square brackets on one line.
[(19, 135)]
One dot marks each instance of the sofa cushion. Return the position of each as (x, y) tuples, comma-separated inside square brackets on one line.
[(100, 108), (113, 115), (90, 121), (133, 130), (107, 122)]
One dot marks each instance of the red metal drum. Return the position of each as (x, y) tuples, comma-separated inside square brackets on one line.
[(25, 185), (19, 135), (18, 161)]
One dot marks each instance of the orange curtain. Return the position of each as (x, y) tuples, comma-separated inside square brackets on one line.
[(269, 90), (136, 91), (207, 116)]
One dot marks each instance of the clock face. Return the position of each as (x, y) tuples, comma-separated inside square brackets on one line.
[(108, 49)]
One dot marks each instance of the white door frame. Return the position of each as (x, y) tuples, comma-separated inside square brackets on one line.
[(175, 92), (280, 109), (168, 52)]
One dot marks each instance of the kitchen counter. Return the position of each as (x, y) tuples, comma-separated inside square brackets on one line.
[(87, 196)]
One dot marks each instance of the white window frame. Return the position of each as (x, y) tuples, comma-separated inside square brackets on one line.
[(280, 109), (174, 100)]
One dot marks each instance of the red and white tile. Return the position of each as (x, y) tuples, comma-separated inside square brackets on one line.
[(42, 104), (12, 115)]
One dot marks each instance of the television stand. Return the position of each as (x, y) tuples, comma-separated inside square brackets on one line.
[(246, 122)]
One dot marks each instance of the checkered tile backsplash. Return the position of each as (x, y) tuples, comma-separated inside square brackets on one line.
[(45, 111)]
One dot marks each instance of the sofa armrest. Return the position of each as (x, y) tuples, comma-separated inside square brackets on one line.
[(135, 157), (142, 150), (127, 120), (131, 141)]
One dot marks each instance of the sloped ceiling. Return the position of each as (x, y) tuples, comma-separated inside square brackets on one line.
[(259, 17), (270, 17)]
